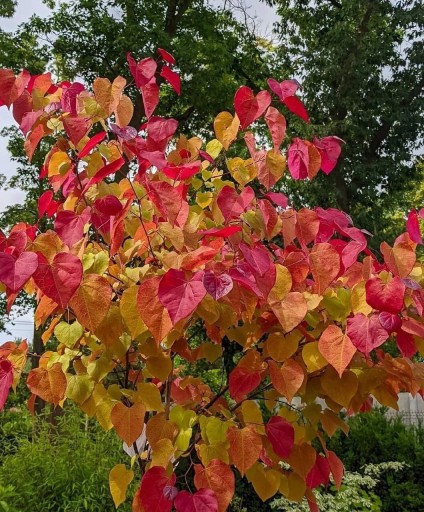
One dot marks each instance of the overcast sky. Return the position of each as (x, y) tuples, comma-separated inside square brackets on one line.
[(264, 18)]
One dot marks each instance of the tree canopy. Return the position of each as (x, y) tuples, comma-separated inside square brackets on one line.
[(165, 250)]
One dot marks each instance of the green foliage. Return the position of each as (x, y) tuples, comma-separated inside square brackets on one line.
[(61, 469), (362, 61), (375, 439)]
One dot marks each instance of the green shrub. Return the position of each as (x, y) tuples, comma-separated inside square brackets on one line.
[(374, 439), (63, 468)]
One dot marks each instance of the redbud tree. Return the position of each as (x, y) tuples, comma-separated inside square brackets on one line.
[(158, 237)]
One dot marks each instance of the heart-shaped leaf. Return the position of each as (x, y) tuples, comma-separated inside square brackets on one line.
[(15, 272), (250, 107)]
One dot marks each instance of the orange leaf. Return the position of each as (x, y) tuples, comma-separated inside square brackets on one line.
[(337, 348), (218, 477), (325, 265), (92, 301), (288, 379), (151, 310), (291, 310), (245, 447), (50, 385), (128, 421), (400, 259)]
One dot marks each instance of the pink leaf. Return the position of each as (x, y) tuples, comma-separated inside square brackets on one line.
[(329, 149), (203, 500), (179, 295), (389, 321), (124, 133), (60, 279), (298, 159), (172, 77), (281, 435), (385, 296), (295, 105), (233, 205), (413, 227), (250, 107), (258, 258), (284, 89), (15, 272), (366, 333), (70, 226), (276, 123), (142, 71), (217, 285), (6, 380), (278, 198)]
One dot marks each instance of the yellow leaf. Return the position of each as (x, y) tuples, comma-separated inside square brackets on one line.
[(280, 347), (252, 415), (129, 312), (265, 481), (340, 390), (68, 334), (209, 452), (213, 148), (79, 388), (162, 453), (159, 366), (276, 163), (119, 479), (59, 164), (297, 487), (149, 395), (226, 128), (313, 358), (282, 286), (124, 111), (158, 427)]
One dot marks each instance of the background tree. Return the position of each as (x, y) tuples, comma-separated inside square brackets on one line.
[(361, 64)]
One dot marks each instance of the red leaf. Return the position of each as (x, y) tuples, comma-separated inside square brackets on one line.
[(406, 343), (233, 205), (284, 89), (281, 435), (221, 232), (15, 271), (179, 295), (152, 487), (366, 333), (46, 204), (70, 226), (12, 87), (91, 144), (250, 107), (6, 380), (203, 500), (336, 467), (242, 381), (166, 56), (150, 94), (182, 172), (60, 279), (217, 285), (413, 227), (298, 159), (385, 296), (295, 105), (76, 127), (172, 77), (161, 129), (319, 474), (103, 172), (167, 199)]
